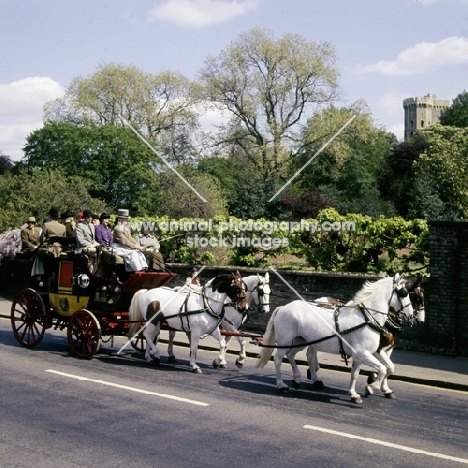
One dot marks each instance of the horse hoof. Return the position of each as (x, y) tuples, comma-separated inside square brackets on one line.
[(154, 362), (172, 359), (197, 370), (308, 374), (318, 384), (223, 366), (369, 391), (390, 396), (296, 385), (357, 400), (239, 364), (372, 377), (284, 390), (215, 364)]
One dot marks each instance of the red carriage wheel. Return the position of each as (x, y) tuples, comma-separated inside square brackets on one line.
[(84, 334), (28, 317)]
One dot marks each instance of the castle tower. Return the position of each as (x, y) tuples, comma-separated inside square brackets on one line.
[(421, 112)]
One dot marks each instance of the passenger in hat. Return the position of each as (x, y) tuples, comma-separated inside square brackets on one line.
[(52, 228), (95, 220), (150, 246), (30, 236), (125, 245), (86, 235), (103, 232), (69, 223)]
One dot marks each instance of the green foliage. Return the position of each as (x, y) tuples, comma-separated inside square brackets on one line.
[(33, 193), (113, 163), (457, 114), (330, 242), (347, 171), (441, 181)]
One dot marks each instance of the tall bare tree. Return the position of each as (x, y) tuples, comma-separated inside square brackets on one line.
[(157, 104), (268, 85)]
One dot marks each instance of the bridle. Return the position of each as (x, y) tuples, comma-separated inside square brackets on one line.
[(240, 292), (260, 302), (401, 292)]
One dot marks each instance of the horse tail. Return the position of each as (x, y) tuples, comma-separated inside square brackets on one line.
[(269, 341), (134, 313)]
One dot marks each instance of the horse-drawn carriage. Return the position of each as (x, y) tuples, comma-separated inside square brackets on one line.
[(89, 303)]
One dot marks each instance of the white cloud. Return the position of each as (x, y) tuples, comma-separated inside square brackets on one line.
[(21, 109), (200, 13), (423, 57)]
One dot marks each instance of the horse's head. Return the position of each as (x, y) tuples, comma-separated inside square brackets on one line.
[(400, 300), (263, 293), (234, 287), (416, 294)]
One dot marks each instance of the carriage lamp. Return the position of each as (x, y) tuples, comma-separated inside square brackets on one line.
[(83, 281)]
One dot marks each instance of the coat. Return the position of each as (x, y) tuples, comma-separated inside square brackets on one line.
[(30, 238), (51, 229)]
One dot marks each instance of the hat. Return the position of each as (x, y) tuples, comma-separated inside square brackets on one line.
[(104, 216), (87, 214), (31, 219), (79, 216), (67, 214), (123, 214), (53, 212), (95, 216)]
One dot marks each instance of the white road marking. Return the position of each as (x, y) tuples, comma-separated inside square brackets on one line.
[(131, 389), (388, 444)]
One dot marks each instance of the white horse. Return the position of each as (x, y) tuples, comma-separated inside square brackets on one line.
[(355, 332), (195, 310), (257, 289), (393, 326)]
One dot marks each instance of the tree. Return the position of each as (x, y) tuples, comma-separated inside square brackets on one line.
[(396, 182), (347, 171), (157, 104), (34, 192), (176, 200), (457, 114), (268, 86), (441, 182), (6, 164), (117, 166)]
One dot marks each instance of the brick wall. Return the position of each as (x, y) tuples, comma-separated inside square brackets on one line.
[(447, 299)]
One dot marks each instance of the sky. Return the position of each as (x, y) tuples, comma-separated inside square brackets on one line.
[(387, 50)]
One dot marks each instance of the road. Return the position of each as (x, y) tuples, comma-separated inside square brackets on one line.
[(116, 411)]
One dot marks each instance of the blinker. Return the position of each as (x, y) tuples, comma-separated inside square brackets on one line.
[(402, 292)]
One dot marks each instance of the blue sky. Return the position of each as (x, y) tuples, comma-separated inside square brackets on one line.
[(387, 50)]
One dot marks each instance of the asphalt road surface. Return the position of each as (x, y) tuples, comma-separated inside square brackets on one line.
[(116, 411)]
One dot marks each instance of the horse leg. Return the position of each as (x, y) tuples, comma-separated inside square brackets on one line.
[(291, 355), (384, 358), (355, 369), (152, 331), (282, 386), (170, 347), (220, 361), (242, 353), (193, 341), (367, 358), (313, 367)]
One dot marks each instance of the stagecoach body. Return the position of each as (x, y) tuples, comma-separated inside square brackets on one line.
[(70, 296)]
